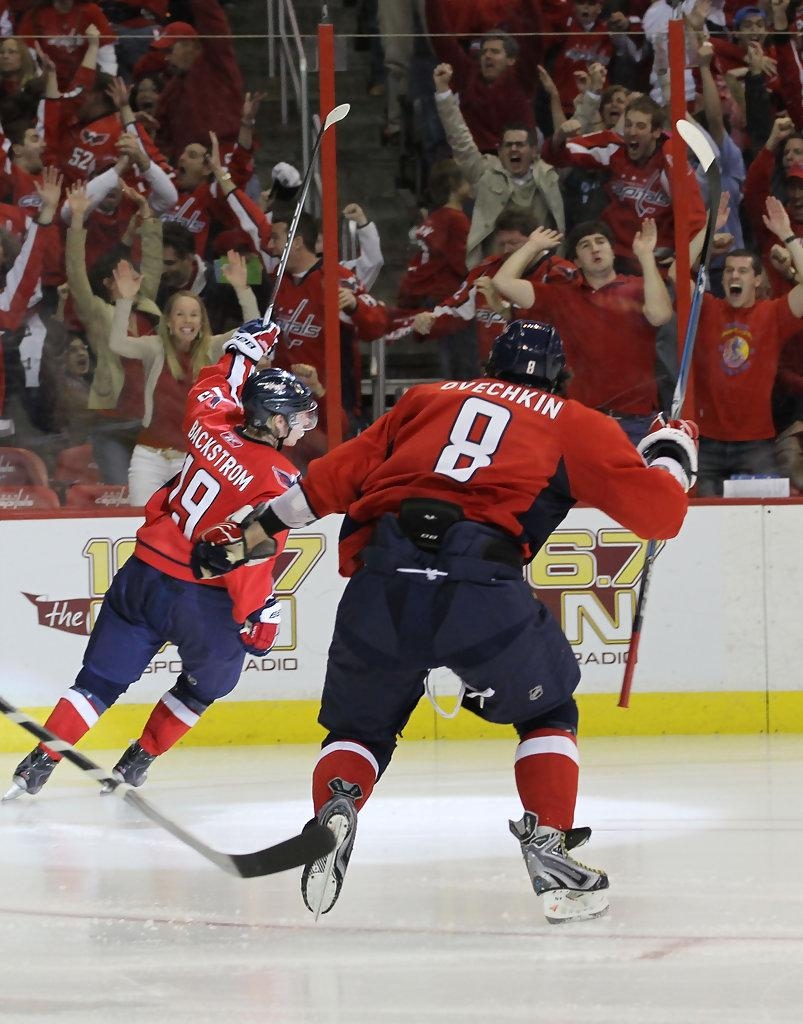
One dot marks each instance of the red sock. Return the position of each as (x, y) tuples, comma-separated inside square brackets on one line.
[(346, 760), (547, 769), (168, 722), (70, 719)]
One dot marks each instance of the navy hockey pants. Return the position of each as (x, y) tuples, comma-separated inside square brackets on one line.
[(409, 611), (143, 609)]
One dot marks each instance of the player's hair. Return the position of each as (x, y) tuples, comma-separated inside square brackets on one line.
[(583, 230), (444, 178), (608, 93), (201, 345), (307, 225), (645, 105)]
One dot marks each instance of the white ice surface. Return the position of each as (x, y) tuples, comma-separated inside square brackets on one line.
[(105, 919)]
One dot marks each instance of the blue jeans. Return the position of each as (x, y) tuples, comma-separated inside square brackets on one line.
[(719, 460)]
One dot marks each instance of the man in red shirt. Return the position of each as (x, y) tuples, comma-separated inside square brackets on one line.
[(638, 185), (237, 418), (445, 497), (607, 320), (587, 41), (739, 342), (205, 90), (497, 89)]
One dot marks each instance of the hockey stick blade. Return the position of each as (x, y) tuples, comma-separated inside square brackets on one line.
[(697, 142), (335, 115), (312, 843)]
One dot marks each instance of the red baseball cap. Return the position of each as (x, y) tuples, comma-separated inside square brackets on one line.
[(172, 33), (795, 171)]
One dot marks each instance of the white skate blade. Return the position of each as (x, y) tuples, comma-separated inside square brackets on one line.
[(15, 791), (563, 906), (323, 879)]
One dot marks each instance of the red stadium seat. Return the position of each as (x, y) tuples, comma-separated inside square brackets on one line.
[(27, 497), (19, 466), (96, 496), (76, 466)]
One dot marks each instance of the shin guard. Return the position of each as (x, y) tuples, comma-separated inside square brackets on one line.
[(547, 771), (71, 718), (168, 722)]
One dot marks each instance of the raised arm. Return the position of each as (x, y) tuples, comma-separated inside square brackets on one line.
[(508, 279), (776, 220), (657, 307)]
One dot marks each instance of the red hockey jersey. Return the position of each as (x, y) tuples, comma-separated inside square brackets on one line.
[(223, 472), (635, 191), (509, 455), (61, 35), (439, 264)]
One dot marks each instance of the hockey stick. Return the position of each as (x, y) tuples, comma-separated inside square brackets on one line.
[(700, 146), (331, 118), (314, 842)]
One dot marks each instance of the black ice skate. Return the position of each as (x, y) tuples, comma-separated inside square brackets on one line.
[(133, 765), (571, 891), (31, 774), (322, 881)]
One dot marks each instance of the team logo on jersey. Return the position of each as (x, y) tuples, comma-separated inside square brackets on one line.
[(646, 196), (94, 138), (295, 329), (231, 439), (283, 479)]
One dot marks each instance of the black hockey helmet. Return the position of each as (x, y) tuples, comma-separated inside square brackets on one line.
[(528, 352), (270, 392)]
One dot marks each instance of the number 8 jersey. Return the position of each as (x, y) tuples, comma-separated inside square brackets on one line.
[(508, 454), (224, 472)]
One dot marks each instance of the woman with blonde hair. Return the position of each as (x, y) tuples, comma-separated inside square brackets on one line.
[(18, 70), (172, 359)]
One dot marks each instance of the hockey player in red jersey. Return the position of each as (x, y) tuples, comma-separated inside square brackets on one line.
[(444, 498), (237, 422)]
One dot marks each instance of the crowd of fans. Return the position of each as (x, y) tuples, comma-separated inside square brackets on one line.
[(539, 136)]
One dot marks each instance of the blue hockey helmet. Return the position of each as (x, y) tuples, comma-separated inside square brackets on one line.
[(267, 393), (528, 352)]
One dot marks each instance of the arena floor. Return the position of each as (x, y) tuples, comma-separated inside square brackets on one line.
[(105, 918)]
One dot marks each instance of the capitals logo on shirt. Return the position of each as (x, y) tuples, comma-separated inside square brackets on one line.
[(735, 350), (94, 138), (285, 480)]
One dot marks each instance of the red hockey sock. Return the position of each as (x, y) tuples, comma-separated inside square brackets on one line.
[(346, 760), (547, 770), (168, 722), (70, 719)]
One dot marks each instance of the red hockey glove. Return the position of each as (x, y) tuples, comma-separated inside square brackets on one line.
[(672, 446), (260, 629), (253, 340), (222, 547)]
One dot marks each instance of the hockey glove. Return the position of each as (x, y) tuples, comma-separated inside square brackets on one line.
[(223, 547), (259, 631), (672, 445), (254, 341)]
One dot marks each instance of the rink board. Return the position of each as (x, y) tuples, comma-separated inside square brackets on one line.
[(718, 651)]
